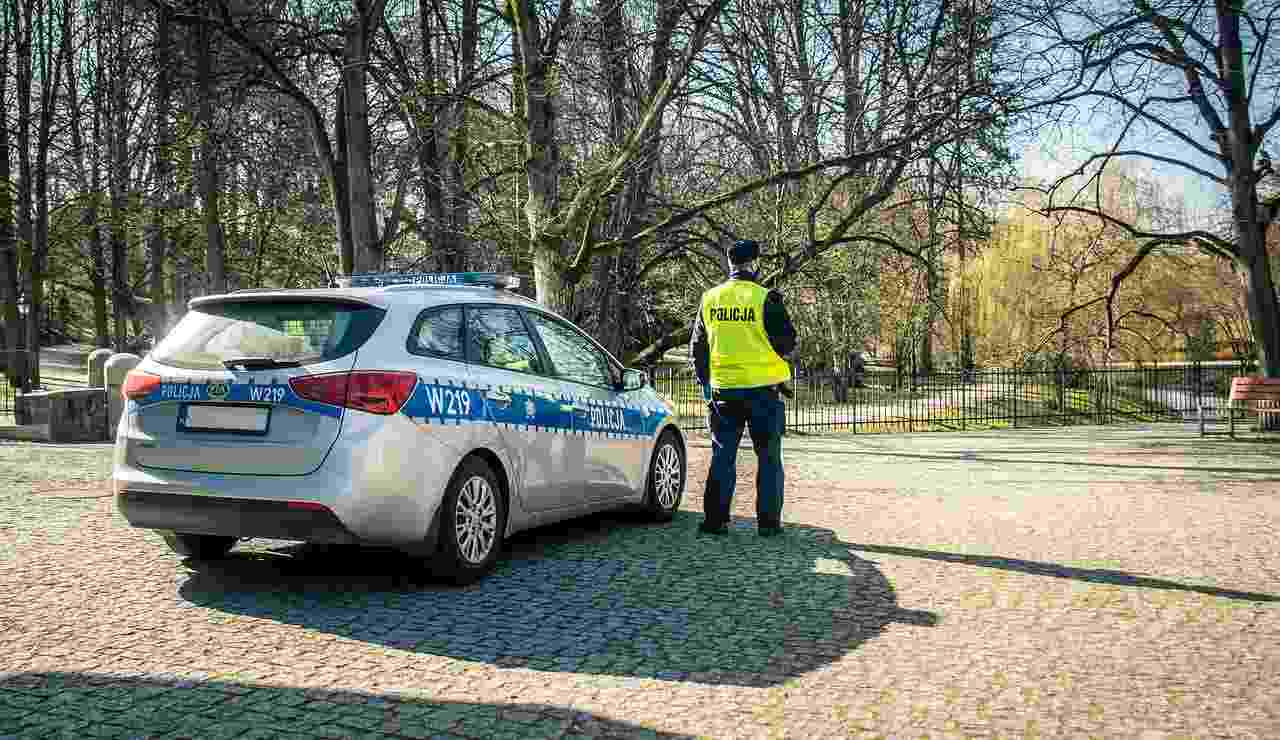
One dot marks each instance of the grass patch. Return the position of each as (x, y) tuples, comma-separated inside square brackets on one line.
[(24, 463)]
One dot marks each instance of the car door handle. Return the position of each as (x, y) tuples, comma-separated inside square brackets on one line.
[(498, 398)]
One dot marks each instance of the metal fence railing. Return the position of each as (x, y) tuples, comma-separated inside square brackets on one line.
[(888, 401)]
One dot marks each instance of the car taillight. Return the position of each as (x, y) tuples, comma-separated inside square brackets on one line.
[(375, 391), (138, 384)]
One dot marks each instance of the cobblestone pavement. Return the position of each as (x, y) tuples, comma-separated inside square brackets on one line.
[(1107, 582)]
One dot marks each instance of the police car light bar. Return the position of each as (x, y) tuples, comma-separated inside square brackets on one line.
[(429, 279)]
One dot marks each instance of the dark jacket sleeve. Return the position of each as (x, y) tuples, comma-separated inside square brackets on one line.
[(699, 350), (777, 324)]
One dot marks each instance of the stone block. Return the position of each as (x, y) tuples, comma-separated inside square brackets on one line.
[(78, 415), (114, 372), (97, 364)]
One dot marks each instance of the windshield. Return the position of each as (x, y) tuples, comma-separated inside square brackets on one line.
[(267, 332)]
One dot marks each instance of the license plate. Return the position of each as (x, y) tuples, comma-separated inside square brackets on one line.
[(223, 418)]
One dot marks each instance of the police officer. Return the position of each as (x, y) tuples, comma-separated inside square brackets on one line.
[(741, 339)]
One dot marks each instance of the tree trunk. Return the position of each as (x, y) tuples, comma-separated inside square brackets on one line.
[(1241, 148), (428, 127), (1260, 298), (14, 366), (336, 173), (852, 25), (157, 246), (364, 227), (118, 146), (542, 159), (458, 203), (215, 254), (614, 277), (50, 78), (97, 251), (25, 72), (537, 106)]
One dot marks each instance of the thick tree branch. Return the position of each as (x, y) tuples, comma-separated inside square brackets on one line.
[(1195, 237)]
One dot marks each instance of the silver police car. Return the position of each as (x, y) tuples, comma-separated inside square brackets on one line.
[(438, 413)]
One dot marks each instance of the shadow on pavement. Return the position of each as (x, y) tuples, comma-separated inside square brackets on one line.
[(1089, 575), (979, 456), (107, 705), (605, 595)]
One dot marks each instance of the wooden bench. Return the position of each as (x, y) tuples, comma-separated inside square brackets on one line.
[(1260, 394)]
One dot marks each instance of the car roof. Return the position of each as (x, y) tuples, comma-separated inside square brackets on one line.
[(388, 293), (411, 295)]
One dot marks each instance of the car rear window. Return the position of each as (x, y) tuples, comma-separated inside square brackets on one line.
[(301, 331)]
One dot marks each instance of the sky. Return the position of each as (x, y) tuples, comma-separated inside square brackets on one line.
[(1059, 151)]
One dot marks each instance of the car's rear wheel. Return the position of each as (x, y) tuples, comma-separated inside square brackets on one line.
[(199, 546), (666, 478), (473, 517)]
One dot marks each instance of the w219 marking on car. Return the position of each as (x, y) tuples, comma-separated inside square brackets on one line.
[(268, 393), (542, 423), (449, 401)]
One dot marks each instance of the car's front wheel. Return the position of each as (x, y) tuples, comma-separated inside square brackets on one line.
[(666, 478), (199, 546), (473, 515)]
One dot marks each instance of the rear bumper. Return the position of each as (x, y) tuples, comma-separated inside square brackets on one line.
[(231, 517)]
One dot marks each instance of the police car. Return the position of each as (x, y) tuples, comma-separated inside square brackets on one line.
[(439, 413)]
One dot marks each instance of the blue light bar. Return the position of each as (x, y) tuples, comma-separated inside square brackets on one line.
[(429, 279)]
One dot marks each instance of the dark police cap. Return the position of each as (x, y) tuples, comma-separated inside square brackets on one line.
[(743, 250)]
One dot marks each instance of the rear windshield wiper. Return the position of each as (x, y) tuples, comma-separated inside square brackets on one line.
[(258, 363)]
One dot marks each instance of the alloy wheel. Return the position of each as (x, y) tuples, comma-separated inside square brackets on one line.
[(475, 523), (668, 475)]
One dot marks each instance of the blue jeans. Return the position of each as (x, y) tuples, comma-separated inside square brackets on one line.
[(730, 411)]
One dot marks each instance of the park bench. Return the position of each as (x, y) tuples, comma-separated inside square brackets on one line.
[(1261, 395)]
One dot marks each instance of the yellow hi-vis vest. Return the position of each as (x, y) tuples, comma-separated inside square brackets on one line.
[(741, 356)]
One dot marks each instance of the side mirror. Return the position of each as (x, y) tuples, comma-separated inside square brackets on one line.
[(633, 379)]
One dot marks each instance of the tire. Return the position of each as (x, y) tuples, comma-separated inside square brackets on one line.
[(665, 485), (199, 546), (473, 518)]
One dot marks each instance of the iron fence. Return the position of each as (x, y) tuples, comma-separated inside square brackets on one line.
[(889, 401)]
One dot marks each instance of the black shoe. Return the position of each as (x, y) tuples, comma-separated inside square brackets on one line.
[(770, 531), (720, 531)]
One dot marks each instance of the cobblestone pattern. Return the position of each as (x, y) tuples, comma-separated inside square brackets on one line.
[(1078, 583)]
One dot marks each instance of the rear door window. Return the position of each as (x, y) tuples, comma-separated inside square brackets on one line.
[(268, 333), (438, 333)]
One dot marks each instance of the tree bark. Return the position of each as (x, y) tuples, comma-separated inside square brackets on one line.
[(615, 277), (364, 227), (97, 251), (24, 27), (215, 254), (14, 359), (162, 169), (537, 108), (118, 147), (1241, 145)]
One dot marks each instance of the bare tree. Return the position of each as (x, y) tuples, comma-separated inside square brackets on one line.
[(1185, 95), (10, 292), (39, 76), (836, 152), (345, 159), (559, 227)]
